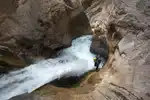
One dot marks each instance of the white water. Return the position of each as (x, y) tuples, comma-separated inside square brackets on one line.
[(73, 61)]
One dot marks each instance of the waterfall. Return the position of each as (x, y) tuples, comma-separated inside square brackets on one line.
[(73, 61)]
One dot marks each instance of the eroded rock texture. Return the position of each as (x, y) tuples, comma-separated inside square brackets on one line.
[(126, 27), (127, 21), (38, 28)]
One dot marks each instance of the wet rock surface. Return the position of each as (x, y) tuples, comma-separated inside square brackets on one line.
[(126, 26), (99, 46), (25, 97)]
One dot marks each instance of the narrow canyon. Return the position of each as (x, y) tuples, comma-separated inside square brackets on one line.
[(38, 34)]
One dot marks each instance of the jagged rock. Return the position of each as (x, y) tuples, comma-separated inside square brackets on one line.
[(126, 74)]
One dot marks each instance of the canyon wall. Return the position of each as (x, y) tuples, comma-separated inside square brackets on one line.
[(124, 23)]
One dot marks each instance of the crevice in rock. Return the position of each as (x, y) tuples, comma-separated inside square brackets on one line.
[(68, 82), (74, 81)]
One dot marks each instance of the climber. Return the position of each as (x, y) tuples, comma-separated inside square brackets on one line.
[(97, 61)]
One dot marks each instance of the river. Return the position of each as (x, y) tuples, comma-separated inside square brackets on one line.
[(73, 61)]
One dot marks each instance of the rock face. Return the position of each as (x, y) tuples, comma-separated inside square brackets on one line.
[(129, 22), (99, 46), (35, 28), (126, 26)]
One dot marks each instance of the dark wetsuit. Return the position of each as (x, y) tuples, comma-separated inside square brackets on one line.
[(97, 61)]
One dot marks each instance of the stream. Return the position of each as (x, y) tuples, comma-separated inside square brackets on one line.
[(73, 61)]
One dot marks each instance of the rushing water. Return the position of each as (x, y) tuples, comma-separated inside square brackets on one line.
[(73, 61)]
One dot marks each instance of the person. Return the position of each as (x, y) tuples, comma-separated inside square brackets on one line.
[(97, 61)]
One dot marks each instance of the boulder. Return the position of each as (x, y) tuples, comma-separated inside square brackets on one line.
[(39, 28)]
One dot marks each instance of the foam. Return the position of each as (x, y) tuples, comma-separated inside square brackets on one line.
[(73, 61)]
